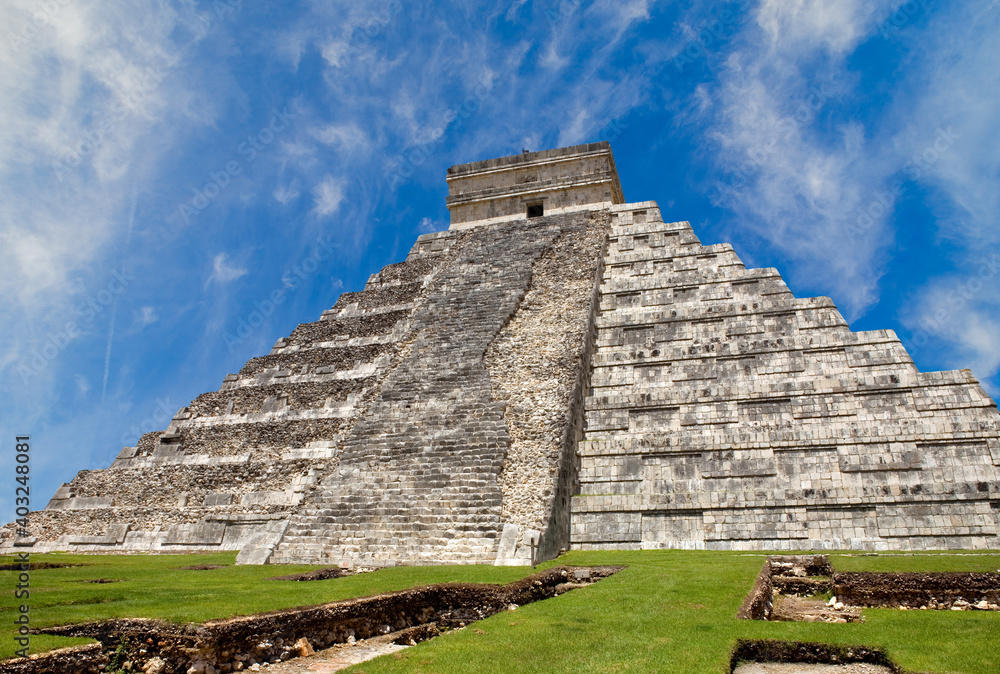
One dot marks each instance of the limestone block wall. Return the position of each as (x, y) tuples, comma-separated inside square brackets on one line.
[(726, 413)]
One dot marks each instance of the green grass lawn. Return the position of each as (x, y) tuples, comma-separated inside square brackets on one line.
[(675, 611), (152, 586), (669, 611)]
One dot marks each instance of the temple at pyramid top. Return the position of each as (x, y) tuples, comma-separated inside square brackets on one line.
[(533, 184)]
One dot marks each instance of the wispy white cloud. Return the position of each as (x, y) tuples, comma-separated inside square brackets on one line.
[(146, 316), (514, 8), (287, 194), (446, 76), (223, 271), (79, 95), (797, 26), (347, 31), (959, 315), (428, 225), (552, 59), (947, 135), (84, 85), (335, 52), (328, 196), (82, 385), (953, 93), (797, 189), (788, 175), (594, 93), (342, 137), (620, 15)]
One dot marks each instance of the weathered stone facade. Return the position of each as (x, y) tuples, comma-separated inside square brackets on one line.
[(726, 413), (559, 368)]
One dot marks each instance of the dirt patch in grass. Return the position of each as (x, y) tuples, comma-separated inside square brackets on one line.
[(319, 574), (785, 590), (342, 656), (796, 609), (35, 566), (799, 668), (771, 650), (100, 581), (201, 567)]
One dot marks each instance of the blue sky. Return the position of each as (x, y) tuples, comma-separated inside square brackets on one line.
[(169, 169)]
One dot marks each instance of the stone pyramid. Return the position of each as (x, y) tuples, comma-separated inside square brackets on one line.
[(558, 369)]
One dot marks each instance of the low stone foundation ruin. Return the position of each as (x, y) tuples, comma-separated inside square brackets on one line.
[(783, 580), (233, 644)]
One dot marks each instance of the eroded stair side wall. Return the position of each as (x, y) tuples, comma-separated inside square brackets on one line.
[(539, 367), (726, 413), (233, 464), (418, 481)]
